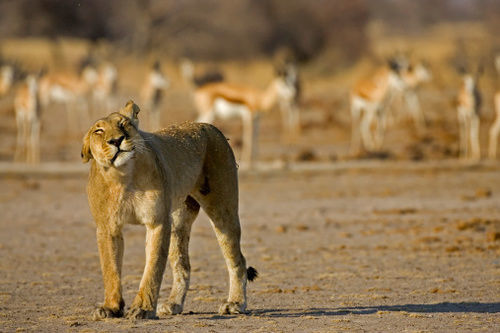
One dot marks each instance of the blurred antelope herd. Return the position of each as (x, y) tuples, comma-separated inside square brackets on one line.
[(377, 99)]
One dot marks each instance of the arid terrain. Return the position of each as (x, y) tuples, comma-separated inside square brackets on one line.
[(388, 247), (406, 239)]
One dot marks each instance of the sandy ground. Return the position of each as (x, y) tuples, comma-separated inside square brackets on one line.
[(384, 249), (404, 246)]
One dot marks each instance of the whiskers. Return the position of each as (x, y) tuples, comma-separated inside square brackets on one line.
[(140, 145)]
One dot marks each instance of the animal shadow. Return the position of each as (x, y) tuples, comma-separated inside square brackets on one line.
[(445, 307)]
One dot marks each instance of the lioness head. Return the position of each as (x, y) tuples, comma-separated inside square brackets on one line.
[(112, 141)]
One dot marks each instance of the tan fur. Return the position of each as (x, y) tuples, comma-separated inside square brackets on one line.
[(152, 92), (369, 98), (74, 85), (413, 77), (104, 87), (495, 128), (6, 79), (160, 180), (228, 100), (72, 92), (27, 108), (468, 119), (375, 87)]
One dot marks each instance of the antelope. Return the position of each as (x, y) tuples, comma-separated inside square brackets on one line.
[(495, 128), (228, 100), (90, 75), (413, 76), (27, 109), (289, 104), (152, 94), (369, 98), (6, 79), (105, 86), (71, 91), (197, 80), (468, 105)]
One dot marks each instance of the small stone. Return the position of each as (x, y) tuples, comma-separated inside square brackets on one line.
[(483, 193), (281, 229), (493, 236)]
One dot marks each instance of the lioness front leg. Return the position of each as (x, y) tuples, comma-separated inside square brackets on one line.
[(111, 257), (157, 242), (183, 219)]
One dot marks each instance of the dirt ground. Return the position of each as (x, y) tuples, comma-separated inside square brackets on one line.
[(363, 250), (404, 240)]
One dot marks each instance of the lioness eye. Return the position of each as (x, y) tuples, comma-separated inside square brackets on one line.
[(122, 128), (99, 131)]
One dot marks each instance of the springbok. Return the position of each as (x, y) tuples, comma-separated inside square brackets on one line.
[(369, 99), (413, 77), (104, 89), (27, 108), (152, 94), (495, 128), (194, 80), (71, 91), (468, 106), (90, 75), (225, 100), (6, 79), (289, 104)]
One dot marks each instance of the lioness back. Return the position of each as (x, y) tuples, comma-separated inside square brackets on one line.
[(196, 138), (196, 148)]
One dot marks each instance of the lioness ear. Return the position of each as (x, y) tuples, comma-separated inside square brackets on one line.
[(86, 153), (131, 110)]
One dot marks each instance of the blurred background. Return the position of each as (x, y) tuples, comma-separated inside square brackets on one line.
[(332, 43)]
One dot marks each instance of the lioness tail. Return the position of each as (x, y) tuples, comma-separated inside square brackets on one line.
[(252, 273)]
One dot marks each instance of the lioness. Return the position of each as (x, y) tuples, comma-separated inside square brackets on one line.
[(160, 180)]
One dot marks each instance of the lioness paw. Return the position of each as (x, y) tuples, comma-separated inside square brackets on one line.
[(137, 313), (232, 308), (169, 309), (103, 312)]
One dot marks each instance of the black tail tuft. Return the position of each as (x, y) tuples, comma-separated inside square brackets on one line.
[(252, 273)]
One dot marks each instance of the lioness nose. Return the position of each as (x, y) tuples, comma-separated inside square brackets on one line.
[(117, 141)]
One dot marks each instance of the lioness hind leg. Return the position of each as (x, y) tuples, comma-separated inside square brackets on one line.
[(183, 219), (226, 225), (228, 236), (218, 196)]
